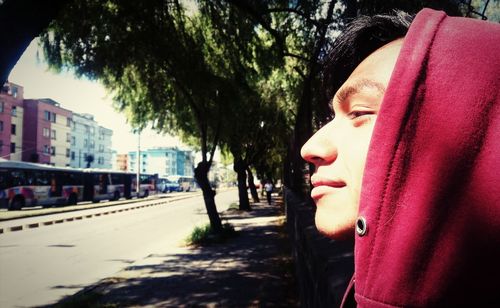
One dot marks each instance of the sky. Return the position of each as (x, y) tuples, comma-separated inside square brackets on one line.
[(81, 96)]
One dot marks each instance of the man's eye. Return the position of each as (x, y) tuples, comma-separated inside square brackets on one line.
[(359, 113)]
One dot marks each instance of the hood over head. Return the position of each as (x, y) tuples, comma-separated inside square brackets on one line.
[(431, 185)]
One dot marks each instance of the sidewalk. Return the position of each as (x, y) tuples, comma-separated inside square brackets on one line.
[(253, 269)]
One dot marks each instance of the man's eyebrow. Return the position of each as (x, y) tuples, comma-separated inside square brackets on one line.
[(358, 86)]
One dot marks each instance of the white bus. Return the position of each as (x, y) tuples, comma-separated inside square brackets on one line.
[(186, 183)]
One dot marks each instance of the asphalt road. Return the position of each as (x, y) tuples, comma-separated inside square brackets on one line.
[(40, 266)]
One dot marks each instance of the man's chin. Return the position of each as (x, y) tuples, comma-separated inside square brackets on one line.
[(335, 230)]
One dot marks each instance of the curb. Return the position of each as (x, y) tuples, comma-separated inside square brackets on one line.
[(81, 216)]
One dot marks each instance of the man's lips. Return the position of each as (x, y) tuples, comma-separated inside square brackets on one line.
[(324, 186)]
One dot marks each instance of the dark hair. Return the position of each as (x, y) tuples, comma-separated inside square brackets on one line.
[(361, 37)]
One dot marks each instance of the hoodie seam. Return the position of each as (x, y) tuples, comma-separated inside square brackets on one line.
[(368, 299), (398, 149)]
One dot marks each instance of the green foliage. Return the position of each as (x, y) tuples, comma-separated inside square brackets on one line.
[(236, 73), (204, 235)]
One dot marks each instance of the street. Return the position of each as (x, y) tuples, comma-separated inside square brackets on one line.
[(40, 266)]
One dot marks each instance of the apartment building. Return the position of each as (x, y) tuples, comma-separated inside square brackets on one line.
[(164, 161), (47, 132), (11, 121), (88, 138)]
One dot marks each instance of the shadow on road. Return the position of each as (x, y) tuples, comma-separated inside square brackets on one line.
[(252, 269)]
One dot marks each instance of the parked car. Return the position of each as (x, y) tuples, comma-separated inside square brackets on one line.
[(167, 186)]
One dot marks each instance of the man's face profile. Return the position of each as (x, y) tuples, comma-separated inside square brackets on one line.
[(338, 150)]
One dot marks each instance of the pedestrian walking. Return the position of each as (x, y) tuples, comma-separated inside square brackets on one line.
[(269, 190)]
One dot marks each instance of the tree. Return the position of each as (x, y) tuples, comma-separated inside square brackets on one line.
[(149, 55), (241, 54)]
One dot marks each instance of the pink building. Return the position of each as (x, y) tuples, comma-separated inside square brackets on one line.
[(47, 132), (11, 121)]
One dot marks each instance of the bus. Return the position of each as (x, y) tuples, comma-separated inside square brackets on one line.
[(112, 185), (30, 184), (33, 184), (186, 183)]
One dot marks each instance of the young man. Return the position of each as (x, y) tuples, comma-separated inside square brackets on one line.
[(410, 163)]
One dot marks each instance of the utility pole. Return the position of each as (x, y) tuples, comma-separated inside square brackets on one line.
[(138, 186)]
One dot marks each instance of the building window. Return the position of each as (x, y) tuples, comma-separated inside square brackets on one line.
[(1, 126), (68, 137), (67, 152), (53, 151), (53, 135), (13, 147), (68, 122), (46, 132), (72, 155), (2, 106), (92, 144), (13, 91), (13, 111), (101, 148), (49, 116), (13, 129), (100, 160), (73, 140), (46, 149), (1, 146), (85, 142), (92, 130)]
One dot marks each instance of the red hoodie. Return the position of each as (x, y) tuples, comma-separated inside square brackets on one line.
[(431, 186)]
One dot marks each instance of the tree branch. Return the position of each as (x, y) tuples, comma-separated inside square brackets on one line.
[(294, 11), (292, 55)]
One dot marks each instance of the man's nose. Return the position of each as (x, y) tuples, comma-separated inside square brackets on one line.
[(321, 148)]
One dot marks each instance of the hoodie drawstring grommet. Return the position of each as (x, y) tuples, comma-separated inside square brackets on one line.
[(361, 226)]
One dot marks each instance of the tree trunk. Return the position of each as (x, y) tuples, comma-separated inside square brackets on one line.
[(239, 168), (201, 176), (251, 184)]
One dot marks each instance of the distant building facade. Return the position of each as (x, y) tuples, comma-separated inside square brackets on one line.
[(164, 161), (88, 138), (11, 121), (46, 132)]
